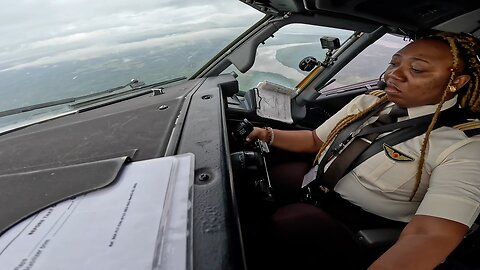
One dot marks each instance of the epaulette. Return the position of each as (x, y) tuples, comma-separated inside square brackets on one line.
[(470, 128), (377, 93)]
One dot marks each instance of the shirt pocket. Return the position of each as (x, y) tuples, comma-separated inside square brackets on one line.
[(384, 174)]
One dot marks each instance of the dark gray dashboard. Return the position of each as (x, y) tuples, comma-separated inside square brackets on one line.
[(187, 118)]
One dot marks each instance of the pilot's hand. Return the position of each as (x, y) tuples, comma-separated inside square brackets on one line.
[(257, 133)]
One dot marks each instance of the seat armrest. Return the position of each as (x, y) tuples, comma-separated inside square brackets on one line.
[(373, 238)]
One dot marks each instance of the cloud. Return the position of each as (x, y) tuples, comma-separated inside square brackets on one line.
[(101, 50), (53, 31)]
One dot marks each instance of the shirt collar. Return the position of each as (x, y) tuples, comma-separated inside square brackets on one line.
[(430, 109)]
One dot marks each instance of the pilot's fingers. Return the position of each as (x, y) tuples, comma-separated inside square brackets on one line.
[(255, 134)]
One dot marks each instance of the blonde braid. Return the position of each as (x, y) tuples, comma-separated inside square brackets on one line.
[(470, 51), (347, 120), (469, 95), (421, 160), (475, 104), (469, 99)]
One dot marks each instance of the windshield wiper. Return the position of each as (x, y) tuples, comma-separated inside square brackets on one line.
[(134, 84)]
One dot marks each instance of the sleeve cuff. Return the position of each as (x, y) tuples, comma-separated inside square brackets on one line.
[(449, 207)]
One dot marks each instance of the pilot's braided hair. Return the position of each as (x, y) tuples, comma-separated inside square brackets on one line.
[(465, 50)]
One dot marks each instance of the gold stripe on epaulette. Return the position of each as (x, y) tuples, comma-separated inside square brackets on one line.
[(377, 93), (468, 125)]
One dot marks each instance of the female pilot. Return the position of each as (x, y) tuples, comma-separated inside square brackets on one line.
[(430, 182)]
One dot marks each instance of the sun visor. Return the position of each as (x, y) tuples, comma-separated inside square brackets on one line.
[(25, 193)]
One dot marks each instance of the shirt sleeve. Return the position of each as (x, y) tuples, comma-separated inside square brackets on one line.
[(359, 103), (454, 188)]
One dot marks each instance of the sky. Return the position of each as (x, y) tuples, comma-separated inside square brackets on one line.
[(54, 49), (48, 32)]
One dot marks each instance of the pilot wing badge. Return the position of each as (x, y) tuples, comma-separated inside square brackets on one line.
[(395, 154)]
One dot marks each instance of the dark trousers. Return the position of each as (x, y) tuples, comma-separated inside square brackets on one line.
[(303, 236)]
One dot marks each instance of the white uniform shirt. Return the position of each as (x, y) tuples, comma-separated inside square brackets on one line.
[(450, 186)]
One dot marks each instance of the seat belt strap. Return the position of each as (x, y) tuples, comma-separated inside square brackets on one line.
[(344, 136), (415, 127), (361, 141), (449, 118)]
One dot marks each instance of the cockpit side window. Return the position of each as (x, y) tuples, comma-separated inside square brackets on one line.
[(278, 58), (371, 62)]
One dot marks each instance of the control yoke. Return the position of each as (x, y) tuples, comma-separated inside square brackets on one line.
[(247, 160)]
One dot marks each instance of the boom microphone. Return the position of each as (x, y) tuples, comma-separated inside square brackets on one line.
[(381, 84)]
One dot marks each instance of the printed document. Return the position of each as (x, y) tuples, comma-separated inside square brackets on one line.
[(117, 227), (274, 101)]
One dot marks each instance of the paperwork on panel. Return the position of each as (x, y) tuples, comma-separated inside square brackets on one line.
[(139, 222), (274, 101)]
